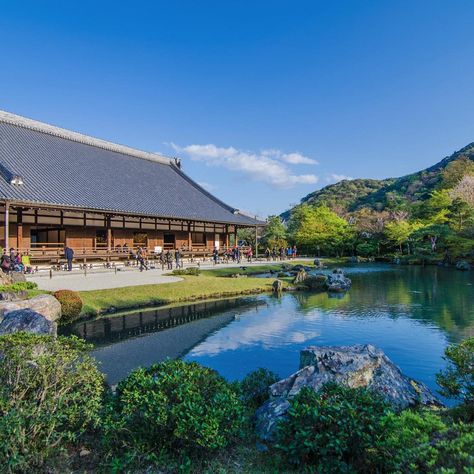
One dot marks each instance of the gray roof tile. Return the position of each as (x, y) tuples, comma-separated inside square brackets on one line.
[(67, 169)]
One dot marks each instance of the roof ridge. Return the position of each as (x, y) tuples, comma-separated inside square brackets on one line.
[(42, 127)]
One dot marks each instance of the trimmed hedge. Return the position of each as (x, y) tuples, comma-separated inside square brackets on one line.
[(71, 305)]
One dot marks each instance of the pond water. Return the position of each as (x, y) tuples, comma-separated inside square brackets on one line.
[(412, 313)]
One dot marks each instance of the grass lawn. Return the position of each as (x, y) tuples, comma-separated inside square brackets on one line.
[(191, 288), (213, 283)]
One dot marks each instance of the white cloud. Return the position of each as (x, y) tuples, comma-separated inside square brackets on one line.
[(291, 158), (335, 178), (267, 166), (207, 186)]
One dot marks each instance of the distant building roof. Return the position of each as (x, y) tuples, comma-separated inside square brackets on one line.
[(43, 164)]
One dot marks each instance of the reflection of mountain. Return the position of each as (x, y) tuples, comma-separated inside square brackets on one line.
[(430, 294), (106, 330)]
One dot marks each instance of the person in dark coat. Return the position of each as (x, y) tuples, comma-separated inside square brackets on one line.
[(69, 254), (169, 260)]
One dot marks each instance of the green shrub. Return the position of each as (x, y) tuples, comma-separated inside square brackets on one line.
[(175, 408), (457, 380), (423, 442), (254, 387), (50, 393), (194, 271), (71, 305), (19, 286), (335, 430)]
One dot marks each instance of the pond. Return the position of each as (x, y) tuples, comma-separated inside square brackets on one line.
[(412, 313)]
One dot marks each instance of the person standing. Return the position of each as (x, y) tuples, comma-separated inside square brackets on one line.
[(249, 255), (5, 262), (169, 260), (177, 257), (69, 255), (294, 251), (162, 260), (141, 259), (215, 255)]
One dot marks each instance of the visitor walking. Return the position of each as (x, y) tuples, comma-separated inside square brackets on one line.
[(177, 258), (141, 259), (169, 260), (215, 255), (249, 255), (289, 252), (69, 255), (294, 251), (162, 260), (267, 254)]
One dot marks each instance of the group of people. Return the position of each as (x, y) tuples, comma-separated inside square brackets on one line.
[(167, 258), (282, 253), (12, 261)]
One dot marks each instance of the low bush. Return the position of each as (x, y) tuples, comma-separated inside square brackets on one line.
[(175, 409), (71, 305), (337, 429), (194, 271), (19, 286), (50, 393), (254, 387), (457, 380)]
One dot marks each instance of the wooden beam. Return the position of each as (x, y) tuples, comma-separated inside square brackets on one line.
[(7, 224), (190, 240)]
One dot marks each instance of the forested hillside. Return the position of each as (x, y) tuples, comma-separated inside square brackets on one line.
[(421, 217), (349, 196)]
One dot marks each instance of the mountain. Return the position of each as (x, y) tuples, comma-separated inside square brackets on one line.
[(351, 195)]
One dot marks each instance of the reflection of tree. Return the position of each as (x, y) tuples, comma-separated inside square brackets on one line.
[(428, 294)]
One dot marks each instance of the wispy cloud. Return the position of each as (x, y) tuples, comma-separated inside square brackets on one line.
[(268, 166), (207, 186), (335, 178)]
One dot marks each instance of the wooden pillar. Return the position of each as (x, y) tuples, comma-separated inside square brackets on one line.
[(190, 240), (227, 235), (109, 234), (235, 235), (7, 224), (19, 228)]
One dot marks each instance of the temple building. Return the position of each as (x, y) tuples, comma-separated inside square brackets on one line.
[(59, 187)]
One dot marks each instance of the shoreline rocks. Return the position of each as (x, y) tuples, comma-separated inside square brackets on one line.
[(38, 315), (353, 366)]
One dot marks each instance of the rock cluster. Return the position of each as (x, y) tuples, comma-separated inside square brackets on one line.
[(38, 315), (353, 366), (463, 265)]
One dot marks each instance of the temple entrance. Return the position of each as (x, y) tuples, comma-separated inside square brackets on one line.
[(48, 237), (169, 241)]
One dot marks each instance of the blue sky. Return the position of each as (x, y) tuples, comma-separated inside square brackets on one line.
[(265, 101)]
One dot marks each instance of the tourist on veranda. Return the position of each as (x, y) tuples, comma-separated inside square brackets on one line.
[(215, 255), (5, 262), (169, 260), (17, 265), (177, 257), (69, 255)]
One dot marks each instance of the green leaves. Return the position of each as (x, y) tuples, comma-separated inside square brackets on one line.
[(50, 394), (174, 407)]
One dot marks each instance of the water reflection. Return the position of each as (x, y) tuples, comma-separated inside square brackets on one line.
[(412, 313)]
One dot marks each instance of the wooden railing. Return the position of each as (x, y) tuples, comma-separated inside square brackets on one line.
[(55, 253)]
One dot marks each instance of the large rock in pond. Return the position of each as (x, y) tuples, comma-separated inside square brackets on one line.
[(38, 315), (463, 265), (353, 366), (300, 277), (338, 282)]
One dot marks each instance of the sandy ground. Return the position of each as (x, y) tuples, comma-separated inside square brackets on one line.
[(101, 279)]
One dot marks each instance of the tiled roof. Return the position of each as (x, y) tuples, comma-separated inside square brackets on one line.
[(68, 169)]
